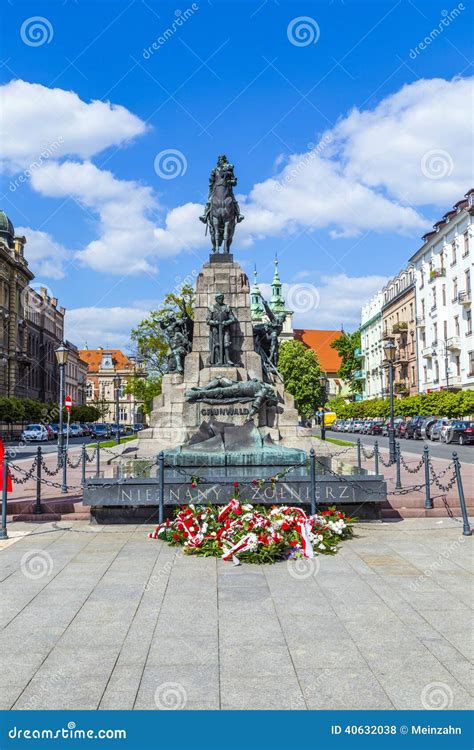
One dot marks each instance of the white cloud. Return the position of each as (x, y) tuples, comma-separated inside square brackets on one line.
[(126, 240), (46, 257), (336, 301), (102, 326), (36, 119), (394, 146)]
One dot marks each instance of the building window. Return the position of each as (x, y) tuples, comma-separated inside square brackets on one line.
[(445, 330), (434, 299), (468, 281), (466, 244), (453, 254), (425, 373), (443, 294), (90, 390), (436, 372), (456, 325), (457, 362), (413, 379), (471, 363), (123, 414), (455, 289), (468, 322)]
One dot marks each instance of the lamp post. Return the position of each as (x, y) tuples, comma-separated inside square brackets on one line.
[(445, 352), (62, 354), (324, 382), (390, 349), (117, 383)]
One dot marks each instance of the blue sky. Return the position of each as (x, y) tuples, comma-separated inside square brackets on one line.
[(348, 124)]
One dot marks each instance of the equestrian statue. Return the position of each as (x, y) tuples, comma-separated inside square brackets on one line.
[(222, 211)]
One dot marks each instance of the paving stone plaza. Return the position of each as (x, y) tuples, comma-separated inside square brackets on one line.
[(103, 617)]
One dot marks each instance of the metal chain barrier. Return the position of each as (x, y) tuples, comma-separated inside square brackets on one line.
[(73, 465), (385, 463), (49, 472), (435, 479), (411, 470), (89, 459), (26, 474)]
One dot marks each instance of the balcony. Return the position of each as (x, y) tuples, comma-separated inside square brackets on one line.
[(400, 327), (359, 375), (427, 351), (464, 298), (401, 388), (454, 344), (358, 352), (401, 357), (420, 321), (437, 273)]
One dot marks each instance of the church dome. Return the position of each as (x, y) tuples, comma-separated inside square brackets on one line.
[(6, 228)]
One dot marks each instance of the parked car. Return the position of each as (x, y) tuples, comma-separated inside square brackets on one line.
[(426, 427), (100, 430), (357, 425), (461, 432), (438, 430), (35, 433), (375, 428), (75, 430), (401, 429), (139, 426), (413, 430), (86, 429)]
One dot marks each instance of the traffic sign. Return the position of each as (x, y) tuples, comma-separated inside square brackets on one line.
[(68, 403)]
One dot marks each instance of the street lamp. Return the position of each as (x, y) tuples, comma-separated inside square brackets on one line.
[(117, 383), (389, 350), (62, 354), (324, 383)]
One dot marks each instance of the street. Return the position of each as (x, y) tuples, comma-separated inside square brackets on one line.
[(437, 450), (17, 450)]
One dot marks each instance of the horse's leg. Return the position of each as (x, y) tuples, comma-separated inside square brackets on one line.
[(216, 234)]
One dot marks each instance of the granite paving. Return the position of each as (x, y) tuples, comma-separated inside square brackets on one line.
[(105, 618)]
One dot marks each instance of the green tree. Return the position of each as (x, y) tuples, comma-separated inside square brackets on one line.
[(148, 335), (145, 389), (301, 374), (346, 346), (442, 403), (85, 413)]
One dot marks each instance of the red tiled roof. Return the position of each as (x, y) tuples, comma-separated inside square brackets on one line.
[(319, 342), (93, 358)]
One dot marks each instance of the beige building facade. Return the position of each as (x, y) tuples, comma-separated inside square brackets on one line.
[(102, 366), (399, 325)]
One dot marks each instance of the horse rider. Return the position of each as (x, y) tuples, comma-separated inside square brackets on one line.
[(222, 166)]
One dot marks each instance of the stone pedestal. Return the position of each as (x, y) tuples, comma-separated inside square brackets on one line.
[(174, 419)]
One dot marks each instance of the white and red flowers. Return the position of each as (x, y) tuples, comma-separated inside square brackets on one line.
[(254, 533)]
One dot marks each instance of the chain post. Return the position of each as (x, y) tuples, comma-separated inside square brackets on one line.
[(39, 459), (359, 454), (83, 465), (97, 460), (398, 483), (312, 471), (161, 507), (426, 461), (466, 529), (3, 530), (376, 456), (64, 467)]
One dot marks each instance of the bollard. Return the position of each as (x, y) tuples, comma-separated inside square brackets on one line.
[(398, 483), (376, 456), (359, 455), (64, 479), (3, 530), (161, 499), (466, 529), (312, 473), (426, 461), (38, 508), (83, 465), (97, 460)]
